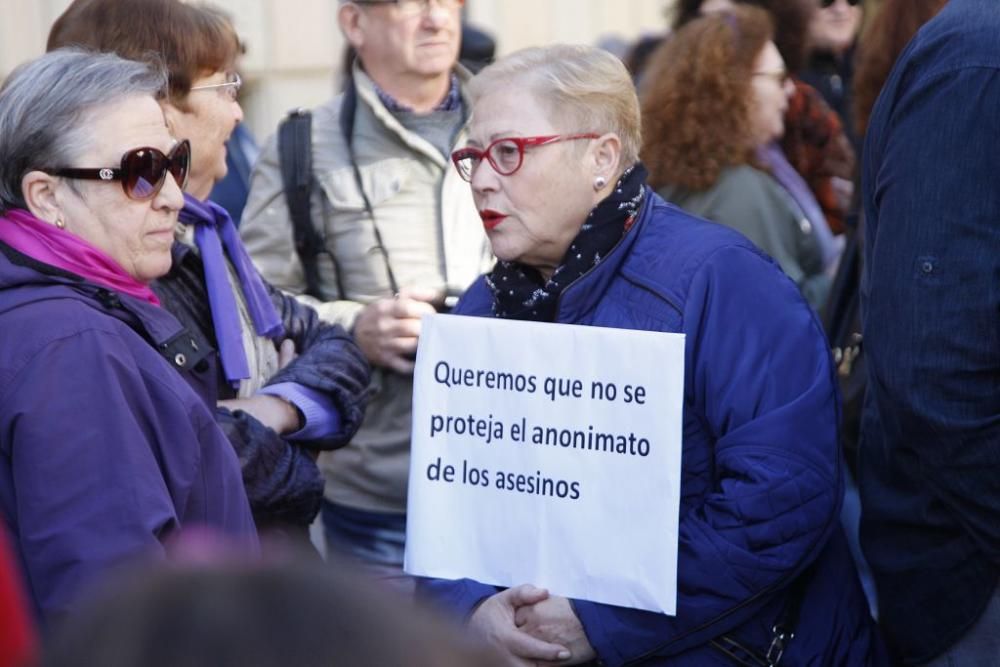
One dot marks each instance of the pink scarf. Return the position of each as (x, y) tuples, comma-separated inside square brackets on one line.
[(56, 247)]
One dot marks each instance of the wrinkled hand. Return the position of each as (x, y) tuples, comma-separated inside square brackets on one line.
[(271, 411), (494, 620), (553, 620), (387, 330)]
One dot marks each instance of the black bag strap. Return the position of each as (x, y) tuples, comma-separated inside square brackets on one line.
[(295, 155), (348, 109), (782, 632)]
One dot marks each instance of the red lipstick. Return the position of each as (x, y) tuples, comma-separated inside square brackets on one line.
[(491, 218)]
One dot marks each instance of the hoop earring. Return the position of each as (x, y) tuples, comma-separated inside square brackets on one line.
[(600, 182)]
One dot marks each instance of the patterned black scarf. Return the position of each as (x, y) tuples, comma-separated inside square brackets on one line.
[(520, 292)]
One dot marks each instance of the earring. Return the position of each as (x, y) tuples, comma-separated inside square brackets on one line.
[(600, 182), (60, 223)]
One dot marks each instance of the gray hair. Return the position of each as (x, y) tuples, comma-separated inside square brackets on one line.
[(45, 105), (586, 84)]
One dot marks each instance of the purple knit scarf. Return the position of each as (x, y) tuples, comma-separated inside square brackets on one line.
[(214, 231)]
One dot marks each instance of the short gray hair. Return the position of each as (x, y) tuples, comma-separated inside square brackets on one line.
[(585, 83), (45, 105)]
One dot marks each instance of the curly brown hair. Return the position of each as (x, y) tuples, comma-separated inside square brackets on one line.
[(696, 101), (884, 39), (791, 24)]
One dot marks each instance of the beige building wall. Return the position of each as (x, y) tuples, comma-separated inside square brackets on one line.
[(295, 47)]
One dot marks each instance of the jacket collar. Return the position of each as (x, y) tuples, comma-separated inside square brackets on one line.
[(582, 296), (365, 88), (24, 280)]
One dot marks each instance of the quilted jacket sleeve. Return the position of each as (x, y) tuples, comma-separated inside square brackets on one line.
[(329, 363)]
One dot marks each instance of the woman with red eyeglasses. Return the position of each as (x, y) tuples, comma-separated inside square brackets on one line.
[(105, 451), (763, 569), (286, 385)]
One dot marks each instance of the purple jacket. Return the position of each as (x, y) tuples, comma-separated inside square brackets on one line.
[(105, 450)]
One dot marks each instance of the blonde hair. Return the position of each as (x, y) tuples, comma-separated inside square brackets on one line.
[(585, 83)]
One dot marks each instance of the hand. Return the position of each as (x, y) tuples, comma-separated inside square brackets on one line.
[(494, 620), (553, 620), (271, 411), (387, 330), (286, 353)]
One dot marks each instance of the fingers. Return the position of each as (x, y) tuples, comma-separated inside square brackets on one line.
[(523, 645), (405, 307), (388, 330), (423, 294), (526, 594)]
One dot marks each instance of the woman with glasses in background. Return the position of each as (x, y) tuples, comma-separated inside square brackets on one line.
[(287, 384), (713, 106), (833, 35), (105, 452)]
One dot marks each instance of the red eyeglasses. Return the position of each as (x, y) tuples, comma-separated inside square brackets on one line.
[(505, 155), (142, 172)]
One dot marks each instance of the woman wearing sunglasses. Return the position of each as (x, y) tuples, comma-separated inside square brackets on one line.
[(287, 384), (552, 160), (833, 34), (713, 107), (105, 451)]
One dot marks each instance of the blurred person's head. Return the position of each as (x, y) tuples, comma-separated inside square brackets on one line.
[(835, 26), (791, 19), (716, 92), (888, 33), (552, 130), (83, 147), (197, 45), (256, 615), (404, 46)]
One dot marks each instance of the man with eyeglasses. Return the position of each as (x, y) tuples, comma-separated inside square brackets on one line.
[(400, 233)]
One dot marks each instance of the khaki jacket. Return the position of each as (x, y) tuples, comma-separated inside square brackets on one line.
[(433, 237)]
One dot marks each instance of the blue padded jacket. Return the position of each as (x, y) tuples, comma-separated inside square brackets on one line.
[(761, 468)]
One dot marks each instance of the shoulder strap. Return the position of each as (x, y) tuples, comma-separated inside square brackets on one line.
[(295, 154)]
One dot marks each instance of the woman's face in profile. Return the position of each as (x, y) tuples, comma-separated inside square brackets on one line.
[(207, 119), (770, 90), (136, 234), (532, 215)]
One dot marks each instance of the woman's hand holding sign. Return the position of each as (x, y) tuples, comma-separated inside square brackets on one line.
[(552, 619), (495, 617)]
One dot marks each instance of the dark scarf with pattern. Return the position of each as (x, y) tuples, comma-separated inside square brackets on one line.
[(520, 292)]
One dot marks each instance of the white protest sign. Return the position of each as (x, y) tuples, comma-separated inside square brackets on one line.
[(547, 454)]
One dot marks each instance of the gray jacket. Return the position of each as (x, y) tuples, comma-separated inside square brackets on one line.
[(751, 202), (432, 235)]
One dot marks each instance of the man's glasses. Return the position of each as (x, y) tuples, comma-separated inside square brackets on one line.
[(143, 171), (231, 86), (826, 3), (413, 7), (505, 155)]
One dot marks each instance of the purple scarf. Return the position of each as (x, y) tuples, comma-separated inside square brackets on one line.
[(213, 231), (64, 250), (798, 189)]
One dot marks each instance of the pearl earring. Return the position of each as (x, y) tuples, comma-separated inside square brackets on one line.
[(60, 223), (600, 182)]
